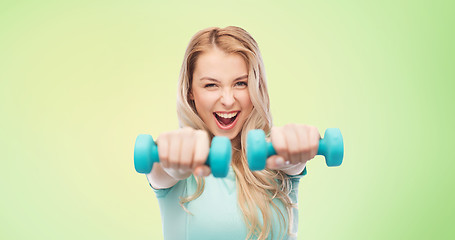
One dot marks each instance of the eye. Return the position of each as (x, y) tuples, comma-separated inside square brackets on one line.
[(209, 85), (242, 84)]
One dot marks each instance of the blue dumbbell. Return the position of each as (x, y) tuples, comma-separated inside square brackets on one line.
[(258, 149), (146, 153)]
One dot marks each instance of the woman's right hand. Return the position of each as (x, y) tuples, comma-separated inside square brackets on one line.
[(184, 151)]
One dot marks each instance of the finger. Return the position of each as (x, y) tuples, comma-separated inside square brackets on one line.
[(279, 142), (174, 151), (294, 150), (275, 162), (304, 146), (163, 149), (302, 138), (313, 139), (187, 150), (201, 148)]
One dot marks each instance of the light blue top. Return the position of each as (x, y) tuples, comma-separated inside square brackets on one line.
[(216, 214)]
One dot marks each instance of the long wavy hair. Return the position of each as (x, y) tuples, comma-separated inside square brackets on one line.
[(256, 190)]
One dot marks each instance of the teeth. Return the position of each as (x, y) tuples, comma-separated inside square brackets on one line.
[(225, 115)]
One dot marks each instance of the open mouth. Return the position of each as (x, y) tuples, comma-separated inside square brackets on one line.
[(226, 120)]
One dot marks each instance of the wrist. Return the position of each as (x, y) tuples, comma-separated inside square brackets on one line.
[(295, 169), (177, 174)]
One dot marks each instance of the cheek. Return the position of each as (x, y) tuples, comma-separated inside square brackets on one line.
[(246, 101), (203, 102)]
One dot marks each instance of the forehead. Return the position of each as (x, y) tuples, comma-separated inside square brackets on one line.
[(217, 64)]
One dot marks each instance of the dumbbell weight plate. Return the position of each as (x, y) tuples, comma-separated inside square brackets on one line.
[(219, 158)]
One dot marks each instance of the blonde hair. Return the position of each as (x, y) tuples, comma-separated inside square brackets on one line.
[(256, 190)]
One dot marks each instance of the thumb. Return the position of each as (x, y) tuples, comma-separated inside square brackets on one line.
[(275, 162), (201, 171)]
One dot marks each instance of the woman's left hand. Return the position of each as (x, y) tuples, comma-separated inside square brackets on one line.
[(295, 144)]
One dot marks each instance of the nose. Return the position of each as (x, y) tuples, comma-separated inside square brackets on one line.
[(227, 98)]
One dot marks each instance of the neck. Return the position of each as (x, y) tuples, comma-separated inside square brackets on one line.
[(236, 142)]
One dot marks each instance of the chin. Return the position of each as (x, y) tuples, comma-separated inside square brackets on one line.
[(230, 135)]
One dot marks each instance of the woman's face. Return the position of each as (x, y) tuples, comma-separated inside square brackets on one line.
[(220, 92)]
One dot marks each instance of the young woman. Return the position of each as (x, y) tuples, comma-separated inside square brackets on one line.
[(222, 91)]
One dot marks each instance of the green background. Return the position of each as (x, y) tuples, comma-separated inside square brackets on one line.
[(79, 80)]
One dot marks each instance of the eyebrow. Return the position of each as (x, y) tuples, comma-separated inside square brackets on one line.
[(213, 79)]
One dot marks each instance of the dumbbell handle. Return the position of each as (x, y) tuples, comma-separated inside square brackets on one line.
[(331, 146)]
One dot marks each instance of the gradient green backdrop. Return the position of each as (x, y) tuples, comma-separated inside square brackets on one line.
[(79, 80)]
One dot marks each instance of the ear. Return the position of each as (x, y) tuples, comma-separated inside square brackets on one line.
[(190, 94)]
